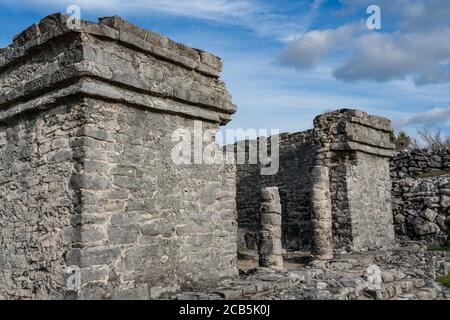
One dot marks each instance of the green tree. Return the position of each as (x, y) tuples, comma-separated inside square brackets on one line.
[(402, 141)]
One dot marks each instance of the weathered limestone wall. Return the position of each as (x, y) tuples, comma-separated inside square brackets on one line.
[(356, 148), (293, 182), (38, 205), (421, 195), (87, 178), (150, 221), (369, 195)]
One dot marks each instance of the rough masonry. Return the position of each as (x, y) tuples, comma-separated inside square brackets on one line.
[(355, 148), (421, 195), (86, 175)]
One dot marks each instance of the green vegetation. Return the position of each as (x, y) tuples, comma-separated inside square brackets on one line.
[(434, 173), (402, 141), (445, 280), (444, 248)]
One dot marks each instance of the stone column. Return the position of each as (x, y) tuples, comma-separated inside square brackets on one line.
[(270, 250), (322, 239)]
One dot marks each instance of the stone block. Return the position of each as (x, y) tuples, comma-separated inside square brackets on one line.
[(157, 228), (87, 257), (429, 214), (271, 219), (124, 234), (92, 233)]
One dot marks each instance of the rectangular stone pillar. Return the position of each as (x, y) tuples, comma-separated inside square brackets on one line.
[(356, 147), (89, 120)]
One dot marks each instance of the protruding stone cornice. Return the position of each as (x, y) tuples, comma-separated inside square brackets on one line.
[(172, 71)]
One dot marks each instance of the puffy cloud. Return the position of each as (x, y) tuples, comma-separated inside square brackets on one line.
[(382, 57), (418, 15), (418, 49), (308, 50)]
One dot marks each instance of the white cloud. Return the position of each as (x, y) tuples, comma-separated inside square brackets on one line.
[(412, 15), (311, 48), (419, 49), (208, 9), (265, 18), (383, 57), (432, 117)]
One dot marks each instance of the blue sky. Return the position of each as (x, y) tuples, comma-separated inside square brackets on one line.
[(286, 61)]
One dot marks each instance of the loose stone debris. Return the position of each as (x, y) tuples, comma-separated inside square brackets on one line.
[(408, 272)]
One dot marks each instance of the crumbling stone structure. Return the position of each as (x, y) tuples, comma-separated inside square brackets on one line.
[(270, 249), (355, 148), (92, 204), (86, 175)]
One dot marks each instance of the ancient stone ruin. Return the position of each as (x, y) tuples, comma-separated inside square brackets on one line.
[(334, 184), (87, 178), (93, 205)]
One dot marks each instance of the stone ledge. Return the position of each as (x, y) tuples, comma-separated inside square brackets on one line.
[(89, 69), (115, 29), (367, 120), (363, 134), (86, 87), (358, 117), (355, 146), (208, 99)]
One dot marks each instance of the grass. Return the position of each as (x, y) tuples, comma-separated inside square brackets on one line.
[(431, 174), (445, 280), (444, 248)]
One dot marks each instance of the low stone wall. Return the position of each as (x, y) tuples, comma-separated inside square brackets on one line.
[(421, 194), (421, 209), (420, 163)]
